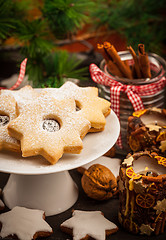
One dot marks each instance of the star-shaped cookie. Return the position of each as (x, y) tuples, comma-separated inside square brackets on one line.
[(89, 105), (22, 96), (86, 224), (26, 224), (49, 127), (7, 114)]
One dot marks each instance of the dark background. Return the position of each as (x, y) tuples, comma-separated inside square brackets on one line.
[(109, 208)]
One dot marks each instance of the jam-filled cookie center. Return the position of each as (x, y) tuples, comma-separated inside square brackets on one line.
[(77, 108), (51, 125), (4, 119), (78, 105)]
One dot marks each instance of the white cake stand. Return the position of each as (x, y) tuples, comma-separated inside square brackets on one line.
[(33, 183)]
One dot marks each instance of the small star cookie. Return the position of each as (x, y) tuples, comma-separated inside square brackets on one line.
[(49, 127), (146, 229), (160, 206), (88, 224), (24, 223), (89, 105), (7, 114)]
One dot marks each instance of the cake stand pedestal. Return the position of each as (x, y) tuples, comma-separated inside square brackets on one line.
[(33, 183), (53, 193)]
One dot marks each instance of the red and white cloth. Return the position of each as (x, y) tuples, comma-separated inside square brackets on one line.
[(134, 92), (21, 75)]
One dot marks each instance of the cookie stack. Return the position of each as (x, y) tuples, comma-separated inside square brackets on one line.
[(50, 122)]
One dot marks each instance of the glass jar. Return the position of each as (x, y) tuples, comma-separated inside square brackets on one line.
[(158, 70)]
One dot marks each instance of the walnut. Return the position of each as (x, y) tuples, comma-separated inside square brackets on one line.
[(99, 182)]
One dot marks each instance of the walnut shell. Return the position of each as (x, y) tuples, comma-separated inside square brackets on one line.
[(98, 182)]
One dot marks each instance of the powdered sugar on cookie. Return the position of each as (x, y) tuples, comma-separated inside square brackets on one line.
[(90, 106), (22, 96), (26, 223), (7, 114), (38, 140), (91, 223)]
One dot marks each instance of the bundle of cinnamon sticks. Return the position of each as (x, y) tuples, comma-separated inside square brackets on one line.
[(117, 67)]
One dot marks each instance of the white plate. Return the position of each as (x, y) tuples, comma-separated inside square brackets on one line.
[(94, 146)]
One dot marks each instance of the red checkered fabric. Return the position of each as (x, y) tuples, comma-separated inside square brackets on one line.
[(134, 92), (21, 75)]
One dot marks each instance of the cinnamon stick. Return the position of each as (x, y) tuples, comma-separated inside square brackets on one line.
[(136, 63), (112, 67), (144, 61), (127, 66), (116, 59), (158, 226), (163, 222), (100, 47), (157, 179)]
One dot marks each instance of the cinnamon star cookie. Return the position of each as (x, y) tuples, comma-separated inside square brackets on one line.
[(24, 223), (88, 224)]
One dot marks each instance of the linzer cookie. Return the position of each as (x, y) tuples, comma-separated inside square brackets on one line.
[(49, 127), (7, 114), (24, 224), (88, 104), (84, 225), (22, 96)]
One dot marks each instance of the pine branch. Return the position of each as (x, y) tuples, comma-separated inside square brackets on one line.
[(61, 65), (66, 17), (11, 13), (7, 23), (53, 69), (32, 35), (139, 21)]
